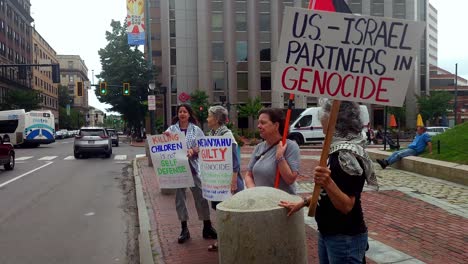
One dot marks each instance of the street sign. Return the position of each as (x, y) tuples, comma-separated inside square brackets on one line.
[(151, 102)]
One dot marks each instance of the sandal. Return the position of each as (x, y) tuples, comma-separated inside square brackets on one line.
[(213, 248)]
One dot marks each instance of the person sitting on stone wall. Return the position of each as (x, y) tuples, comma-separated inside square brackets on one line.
[(421, 140)]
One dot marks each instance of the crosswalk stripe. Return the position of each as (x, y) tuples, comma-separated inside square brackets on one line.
[(69, 158), (23, 158), (120, 157), (48, 158), (140, 155)]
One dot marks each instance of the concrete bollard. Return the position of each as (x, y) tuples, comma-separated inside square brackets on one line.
[(252, 228)]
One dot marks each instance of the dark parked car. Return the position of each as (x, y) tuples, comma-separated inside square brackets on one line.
[(92, 140), (7, 153), (114, 136)]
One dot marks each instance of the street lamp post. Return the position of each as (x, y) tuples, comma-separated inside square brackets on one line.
[(152, 86)]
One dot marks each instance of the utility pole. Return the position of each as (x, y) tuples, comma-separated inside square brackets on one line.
[(456, 95), (149, 50)]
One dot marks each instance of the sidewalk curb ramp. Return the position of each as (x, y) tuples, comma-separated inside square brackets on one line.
[(444, 170), (144, 244)]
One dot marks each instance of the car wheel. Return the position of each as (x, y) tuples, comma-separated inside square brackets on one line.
[(117, 144), (298, 139), (108, 154), (11, 162), (77, 155)]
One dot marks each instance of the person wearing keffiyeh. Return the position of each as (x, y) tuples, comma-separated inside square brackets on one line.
[(186, 122), (217, 119), (340, 220)]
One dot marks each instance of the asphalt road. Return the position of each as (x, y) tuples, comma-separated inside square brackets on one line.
[(55, 209)]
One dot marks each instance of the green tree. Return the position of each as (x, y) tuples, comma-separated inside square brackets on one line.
[(64, 97), (199, 102), (434, 106), (250, 110), (21, 99), (73, 121), (122, 63)]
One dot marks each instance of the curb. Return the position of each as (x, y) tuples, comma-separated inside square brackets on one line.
[(144, 244)]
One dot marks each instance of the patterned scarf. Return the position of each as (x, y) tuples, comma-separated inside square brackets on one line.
[(190, 136), (222, 131), (351, 149)]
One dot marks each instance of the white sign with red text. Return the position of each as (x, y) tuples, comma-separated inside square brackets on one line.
[(347, 57), (215, 156)]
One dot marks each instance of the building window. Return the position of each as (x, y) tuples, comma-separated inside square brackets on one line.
[(264, 22), (172, 28), (265, 81), (218, 80), (355, 6), (242, 81), (241, 50), (217, 6), (377, 8), (173, 56), (241, 22), (240, 5), (265, 51), (217, 22), (218, 51), (399, 9)]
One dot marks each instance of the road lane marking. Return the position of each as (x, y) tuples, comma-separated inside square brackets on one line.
[(24, 158), (24, 174), (48, 158), (140, 156), (120, 157), (69, 158)]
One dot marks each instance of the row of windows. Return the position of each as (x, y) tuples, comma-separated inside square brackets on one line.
[(45, 85), (11, 54), (242, 81), (17, 20), (49, 101), (241, 51)]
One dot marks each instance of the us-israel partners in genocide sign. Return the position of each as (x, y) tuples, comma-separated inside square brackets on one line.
[(215, 157), (347, 57), (169, 156)]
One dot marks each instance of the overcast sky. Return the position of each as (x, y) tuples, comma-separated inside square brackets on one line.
[(78, 28)]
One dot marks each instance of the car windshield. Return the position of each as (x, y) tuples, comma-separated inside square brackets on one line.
[(92, 132)]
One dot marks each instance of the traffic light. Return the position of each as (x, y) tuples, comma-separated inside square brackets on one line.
[(79, 89), (56, 73), (103, 88), (126, 89)]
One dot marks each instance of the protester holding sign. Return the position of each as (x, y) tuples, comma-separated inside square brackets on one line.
[(272, 154), (339, 216), (186, 123), (217, 119)]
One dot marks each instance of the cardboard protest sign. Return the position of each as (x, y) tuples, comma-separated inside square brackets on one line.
[(169, 156), (347, 57), (215, 156)]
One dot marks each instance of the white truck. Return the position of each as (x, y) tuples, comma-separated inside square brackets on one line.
[(308, 129)]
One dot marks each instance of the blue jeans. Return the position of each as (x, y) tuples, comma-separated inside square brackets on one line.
[(337, 249), (398, 155)]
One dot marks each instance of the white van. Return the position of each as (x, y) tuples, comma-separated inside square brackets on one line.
[(308, 129)]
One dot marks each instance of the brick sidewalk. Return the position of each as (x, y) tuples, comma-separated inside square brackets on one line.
[(421, 230)]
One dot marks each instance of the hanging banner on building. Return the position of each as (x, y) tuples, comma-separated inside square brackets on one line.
[(215, 156), (169, 156), (136, 22), (347, 57)]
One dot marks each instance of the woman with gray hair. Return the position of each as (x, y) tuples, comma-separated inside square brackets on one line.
[(217, 120), (339, 216)]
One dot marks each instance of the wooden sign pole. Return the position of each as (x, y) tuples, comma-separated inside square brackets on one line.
[(325, 151)]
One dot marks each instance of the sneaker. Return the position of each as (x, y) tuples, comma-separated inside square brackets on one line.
[(382, 163)]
